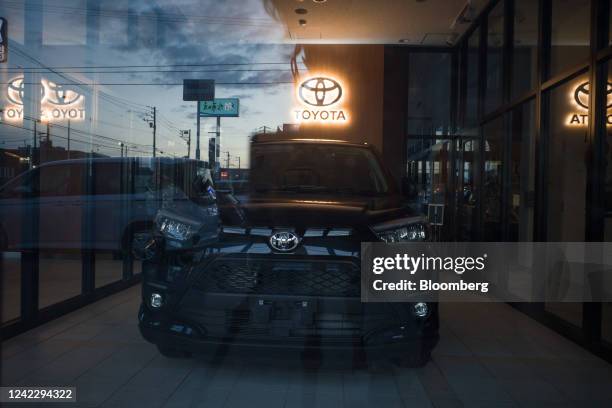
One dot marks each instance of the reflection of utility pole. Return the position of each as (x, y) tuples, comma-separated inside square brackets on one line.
[(68, 137), (186, 136), (197, 151), (48, 144), (154, 127), (218, 138), (33, 145), (152, 121), (227, 160), (238, 157)]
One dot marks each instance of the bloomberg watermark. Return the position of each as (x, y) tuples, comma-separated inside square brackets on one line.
[(487, 272)]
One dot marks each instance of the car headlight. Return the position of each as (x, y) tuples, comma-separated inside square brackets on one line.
[(402, 230), (175, 227)]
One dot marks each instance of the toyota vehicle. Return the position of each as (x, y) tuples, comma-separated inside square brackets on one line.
[(280, 266)]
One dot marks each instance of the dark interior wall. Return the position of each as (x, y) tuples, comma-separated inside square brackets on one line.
[(395, 104)]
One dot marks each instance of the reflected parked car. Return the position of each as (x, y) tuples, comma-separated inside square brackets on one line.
[(96, 203), (285, 270)]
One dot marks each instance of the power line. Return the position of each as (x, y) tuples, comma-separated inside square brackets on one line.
[(157, 16), (145, 71), (73, 139), (83, 132), (104, 123), (163, 83), (160, 65), (81, 85)]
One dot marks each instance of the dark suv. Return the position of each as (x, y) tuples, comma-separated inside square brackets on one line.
[(281, 266)]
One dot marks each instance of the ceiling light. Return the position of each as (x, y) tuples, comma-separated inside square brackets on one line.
[(319, 1), (302, 22), (301, 11)]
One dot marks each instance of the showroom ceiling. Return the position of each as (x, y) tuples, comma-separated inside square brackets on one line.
[(415, 22)]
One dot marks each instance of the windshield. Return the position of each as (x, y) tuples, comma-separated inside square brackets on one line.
[(311, 168)]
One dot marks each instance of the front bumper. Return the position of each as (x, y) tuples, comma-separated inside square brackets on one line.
[(204, 321), (292, 302)]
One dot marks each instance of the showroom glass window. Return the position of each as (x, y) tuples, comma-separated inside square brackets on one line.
[(427, 144), (566, 181), (495, 43), (471, 102), (492, 179), (522, 173), (606, 330), (524, 47), (570, 33)]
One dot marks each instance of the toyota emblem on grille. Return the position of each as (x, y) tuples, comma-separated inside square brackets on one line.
[(284, 241)]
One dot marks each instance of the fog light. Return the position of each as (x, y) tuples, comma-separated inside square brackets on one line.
[(421, 309), (156, 300)]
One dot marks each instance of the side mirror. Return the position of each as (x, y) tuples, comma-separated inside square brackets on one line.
[(146, 246), (203, 187)]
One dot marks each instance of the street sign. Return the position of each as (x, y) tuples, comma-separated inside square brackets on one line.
[(3, 39), (198, 89), (212, 146), (222, 107)]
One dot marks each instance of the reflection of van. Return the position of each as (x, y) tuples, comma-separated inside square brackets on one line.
[(90, 203)]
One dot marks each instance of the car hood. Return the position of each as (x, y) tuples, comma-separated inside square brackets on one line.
[(307, 211)]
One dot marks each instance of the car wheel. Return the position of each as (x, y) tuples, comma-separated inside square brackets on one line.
[(170, 352)]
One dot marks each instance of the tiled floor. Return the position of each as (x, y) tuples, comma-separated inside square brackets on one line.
[(488, 356)]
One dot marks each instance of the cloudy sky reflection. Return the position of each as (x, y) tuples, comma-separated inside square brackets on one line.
[(137, 52)]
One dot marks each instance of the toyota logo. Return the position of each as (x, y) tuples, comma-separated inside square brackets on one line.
[(284, 241), (581, 95), (16, 91), (50, 92), (320, 91), (59, 95)]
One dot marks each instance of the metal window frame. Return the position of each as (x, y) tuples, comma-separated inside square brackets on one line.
[(589, 335), (31, 315)]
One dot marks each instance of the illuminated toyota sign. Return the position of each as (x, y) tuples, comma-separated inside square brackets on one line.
[(57, 102), (580, 99), (321, 98), (320, 91)]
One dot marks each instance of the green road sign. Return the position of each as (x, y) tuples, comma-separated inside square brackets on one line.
[(224, 107)]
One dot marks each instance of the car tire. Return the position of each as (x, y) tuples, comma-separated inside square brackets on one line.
[(170, 352)]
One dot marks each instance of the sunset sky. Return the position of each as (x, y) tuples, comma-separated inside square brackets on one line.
[(153, 43)]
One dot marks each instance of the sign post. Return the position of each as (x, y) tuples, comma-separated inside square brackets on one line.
[(197, 152), (198, 90), (3, 40), (218, 108)]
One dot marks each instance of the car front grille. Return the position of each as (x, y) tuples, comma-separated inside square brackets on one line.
[(304, 278)]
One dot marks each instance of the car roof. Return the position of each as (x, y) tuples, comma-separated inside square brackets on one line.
[(296, 140)]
